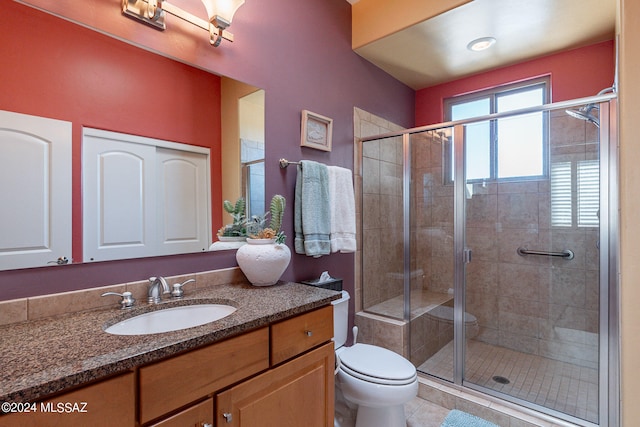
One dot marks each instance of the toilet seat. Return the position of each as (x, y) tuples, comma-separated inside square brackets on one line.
[(377, 365)]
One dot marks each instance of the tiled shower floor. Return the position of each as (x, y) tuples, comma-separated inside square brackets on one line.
[(550, 383)]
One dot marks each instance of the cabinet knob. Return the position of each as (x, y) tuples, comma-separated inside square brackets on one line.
[(228, 417), (207, 425), (308, 333)]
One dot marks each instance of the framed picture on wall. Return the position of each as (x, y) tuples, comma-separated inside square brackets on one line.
[(316, 131)]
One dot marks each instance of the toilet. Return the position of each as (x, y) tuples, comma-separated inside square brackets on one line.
[(374, 380), (444, 315)]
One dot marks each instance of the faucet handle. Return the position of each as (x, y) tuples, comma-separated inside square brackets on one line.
[(127, 299), (177, 288)]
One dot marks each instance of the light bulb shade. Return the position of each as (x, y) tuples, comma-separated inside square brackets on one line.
[(224, 9)]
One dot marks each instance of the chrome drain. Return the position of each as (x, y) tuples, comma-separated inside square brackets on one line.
[(501, 380)]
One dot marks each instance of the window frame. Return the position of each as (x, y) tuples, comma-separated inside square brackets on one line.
[(493, 95)]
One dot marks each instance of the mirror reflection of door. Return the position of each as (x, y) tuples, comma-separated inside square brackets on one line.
[(243, 146), (35, 202), (251, 113)]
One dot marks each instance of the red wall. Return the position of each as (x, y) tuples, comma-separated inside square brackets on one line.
[(574, 74), (64, 71), (298, 52)]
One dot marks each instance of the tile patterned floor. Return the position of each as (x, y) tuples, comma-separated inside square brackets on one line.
[(554, 384), (422, 413)]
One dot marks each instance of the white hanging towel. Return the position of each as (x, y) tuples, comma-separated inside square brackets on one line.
[(343, 210)]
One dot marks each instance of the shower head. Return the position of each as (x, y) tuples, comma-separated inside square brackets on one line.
[(585, 113)]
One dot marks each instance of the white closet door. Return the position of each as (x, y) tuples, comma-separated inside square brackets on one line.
[(183, 202), (35, 198), (118, 197), (143, 196)]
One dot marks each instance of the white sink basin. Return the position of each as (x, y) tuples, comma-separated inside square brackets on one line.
[(171, 319)]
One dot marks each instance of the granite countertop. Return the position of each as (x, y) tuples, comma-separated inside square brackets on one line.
[(42, 357)]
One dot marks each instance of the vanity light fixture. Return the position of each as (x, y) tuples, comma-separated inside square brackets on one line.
[(152, 12), (480, 44)]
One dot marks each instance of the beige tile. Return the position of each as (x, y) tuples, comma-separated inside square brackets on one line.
[(483, 242), (13, 311), (518, 210), (482, 211), (390, 336), (425, 414), (68, 302), (218, 277), (482, 276), (365, 328), (518, 281), (437, 397)]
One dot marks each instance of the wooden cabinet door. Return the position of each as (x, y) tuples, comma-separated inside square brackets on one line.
[(297, 393), (198, 415), (105, 404), (176, 382)]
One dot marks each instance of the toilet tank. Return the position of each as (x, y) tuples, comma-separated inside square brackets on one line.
[(340, 319)]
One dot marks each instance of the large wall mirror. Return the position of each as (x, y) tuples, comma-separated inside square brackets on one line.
[(89, 80)]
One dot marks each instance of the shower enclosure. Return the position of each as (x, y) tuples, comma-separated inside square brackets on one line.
[(502, 261)]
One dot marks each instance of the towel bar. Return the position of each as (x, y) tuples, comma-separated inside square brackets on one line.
[(284, 163)]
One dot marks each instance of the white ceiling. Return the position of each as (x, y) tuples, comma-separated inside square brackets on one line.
[(435, 50)]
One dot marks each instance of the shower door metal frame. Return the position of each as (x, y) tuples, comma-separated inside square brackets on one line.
[(609, 266), (406, 224), (459, 247)]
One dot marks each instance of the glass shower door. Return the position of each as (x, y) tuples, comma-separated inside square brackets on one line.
[(432, 253), (531, 288)]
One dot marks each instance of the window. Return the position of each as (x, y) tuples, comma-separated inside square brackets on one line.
[(507, 148), (575, 194)]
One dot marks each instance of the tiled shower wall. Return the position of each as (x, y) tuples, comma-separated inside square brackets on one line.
[(381, 230), (538, 305), (431, 213)]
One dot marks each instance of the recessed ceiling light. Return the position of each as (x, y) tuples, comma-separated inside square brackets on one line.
[(482, 43)]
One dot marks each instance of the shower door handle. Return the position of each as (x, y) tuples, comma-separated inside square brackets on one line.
[(467, 256)]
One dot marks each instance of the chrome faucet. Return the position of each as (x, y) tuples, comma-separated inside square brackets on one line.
[(155, 295)]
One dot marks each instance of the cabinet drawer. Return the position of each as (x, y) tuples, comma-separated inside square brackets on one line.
[(298, 334), (176, 382), (197, 415)]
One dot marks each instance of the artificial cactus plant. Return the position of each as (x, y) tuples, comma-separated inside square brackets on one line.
[(237, 212), (255, 226)]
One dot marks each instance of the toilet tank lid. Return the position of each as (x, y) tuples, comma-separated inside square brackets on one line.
[(345, 297)]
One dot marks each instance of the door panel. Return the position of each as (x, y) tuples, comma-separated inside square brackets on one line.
[(35, 200)]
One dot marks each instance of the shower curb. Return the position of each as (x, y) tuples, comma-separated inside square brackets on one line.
[(504, 414)]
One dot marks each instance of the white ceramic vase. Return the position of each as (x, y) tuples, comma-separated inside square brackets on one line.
[(263, 261)]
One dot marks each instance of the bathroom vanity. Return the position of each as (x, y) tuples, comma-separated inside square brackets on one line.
[(268, 364)]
